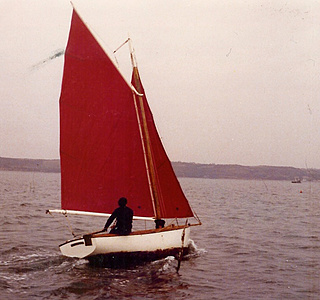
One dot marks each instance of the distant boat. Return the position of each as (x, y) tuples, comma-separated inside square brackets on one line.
[(296, 180), (110, 148)]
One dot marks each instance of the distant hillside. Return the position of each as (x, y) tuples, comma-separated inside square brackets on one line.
[(182, 169), (243, 172), (33, 165)]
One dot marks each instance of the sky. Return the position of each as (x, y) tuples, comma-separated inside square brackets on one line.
[(229, 82)]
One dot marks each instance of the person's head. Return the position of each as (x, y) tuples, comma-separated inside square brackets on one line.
[(122, 202)]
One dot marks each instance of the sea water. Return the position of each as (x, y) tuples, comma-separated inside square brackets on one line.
[(259, 240)]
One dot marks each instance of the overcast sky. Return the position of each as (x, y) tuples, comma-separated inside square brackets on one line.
[(229, 82)]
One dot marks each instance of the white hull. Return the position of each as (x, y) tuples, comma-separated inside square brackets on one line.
[(151, 243)]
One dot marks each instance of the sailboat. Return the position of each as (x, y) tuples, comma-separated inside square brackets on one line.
[(296, 180), (110, 148)]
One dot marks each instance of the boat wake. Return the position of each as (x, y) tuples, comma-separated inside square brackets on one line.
[(169, 264), (165, 265), (193, 249), (20, 269)]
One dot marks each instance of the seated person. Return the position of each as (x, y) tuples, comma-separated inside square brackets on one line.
[(123, 216)]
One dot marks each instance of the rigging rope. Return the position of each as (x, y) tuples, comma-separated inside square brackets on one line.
[(68, 223)]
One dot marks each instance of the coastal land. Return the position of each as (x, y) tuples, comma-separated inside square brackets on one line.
[(182, 169)]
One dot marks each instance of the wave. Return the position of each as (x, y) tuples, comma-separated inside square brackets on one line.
[(194, 250), (19, 263)]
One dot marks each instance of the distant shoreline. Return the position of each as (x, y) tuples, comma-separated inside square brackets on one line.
[(182, 169)]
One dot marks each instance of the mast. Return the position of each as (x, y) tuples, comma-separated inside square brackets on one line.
[(149, 159)]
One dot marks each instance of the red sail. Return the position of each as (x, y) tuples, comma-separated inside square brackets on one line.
[(101, 150), (172, 201)]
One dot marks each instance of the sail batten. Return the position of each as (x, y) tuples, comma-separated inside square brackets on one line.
[(102, 147)]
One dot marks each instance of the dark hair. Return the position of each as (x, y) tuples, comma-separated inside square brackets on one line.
[(122, 201)]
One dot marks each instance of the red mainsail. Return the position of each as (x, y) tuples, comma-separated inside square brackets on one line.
[(101, 143)]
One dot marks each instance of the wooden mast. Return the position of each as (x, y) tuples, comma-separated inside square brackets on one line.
[(151, 167)]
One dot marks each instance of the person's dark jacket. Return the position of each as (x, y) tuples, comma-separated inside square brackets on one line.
[(123, 215)]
